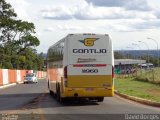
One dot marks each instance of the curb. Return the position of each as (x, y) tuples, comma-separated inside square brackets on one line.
[(139, 100), (20, 82), (12, 84), (41, 78), (8, 85)]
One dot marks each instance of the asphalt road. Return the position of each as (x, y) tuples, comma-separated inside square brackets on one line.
[(35, 100), (18, 96)]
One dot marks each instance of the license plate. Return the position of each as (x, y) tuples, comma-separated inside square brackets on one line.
[(89, 89)]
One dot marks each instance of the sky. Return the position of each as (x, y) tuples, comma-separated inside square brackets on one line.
[(131, 24)]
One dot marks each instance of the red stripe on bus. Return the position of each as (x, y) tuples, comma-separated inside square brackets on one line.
[(101, 65), (89, 65), (78, 65)]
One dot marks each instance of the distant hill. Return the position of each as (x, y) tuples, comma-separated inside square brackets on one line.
[(45, 55), (138, 53), (134, 53)]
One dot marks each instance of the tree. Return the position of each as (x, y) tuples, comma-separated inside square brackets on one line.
[(17, 41), (6, 13), (17, 34), (118, 55), (40, 61), (6, 10)]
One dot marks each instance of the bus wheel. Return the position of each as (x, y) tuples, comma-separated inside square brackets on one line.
[(100, 99), (58, 93), (59, 98), (64, 99), (48, 84), (50, 92)]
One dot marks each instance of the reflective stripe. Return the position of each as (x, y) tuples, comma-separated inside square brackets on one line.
[(89, 65)]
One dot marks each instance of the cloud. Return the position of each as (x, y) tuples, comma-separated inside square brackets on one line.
[(131, 25), (117, 26), (152, 24), (20, 7), (59, 13), (107, 3), (84, 12), (89, 11), (68, 27), (49, 29), (157, 13), (140, 5)]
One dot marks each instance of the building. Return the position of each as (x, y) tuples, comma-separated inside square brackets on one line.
[(123, 65)]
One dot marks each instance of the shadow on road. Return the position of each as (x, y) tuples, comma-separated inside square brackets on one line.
[(50, 102), (20, 95), (18, 101), (12, 96)]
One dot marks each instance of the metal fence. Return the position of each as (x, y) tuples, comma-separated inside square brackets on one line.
[(148, 75)]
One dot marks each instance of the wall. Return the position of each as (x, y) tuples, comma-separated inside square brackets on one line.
[(8, 76)]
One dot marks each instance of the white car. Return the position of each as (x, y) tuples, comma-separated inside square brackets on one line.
[(30, 78)]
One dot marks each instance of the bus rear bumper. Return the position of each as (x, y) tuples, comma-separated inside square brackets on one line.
[(88, 92)]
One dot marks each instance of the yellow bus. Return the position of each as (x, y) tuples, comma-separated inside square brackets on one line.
[(81, 66)]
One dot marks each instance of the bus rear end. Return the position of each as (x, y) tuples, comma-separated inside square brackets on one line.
[(89, 67)]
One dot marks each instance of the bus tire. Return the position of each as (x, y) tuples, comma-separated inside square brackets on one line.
[(61, 99), (48, 84), (50, 92), (58, 93), (100, 99)]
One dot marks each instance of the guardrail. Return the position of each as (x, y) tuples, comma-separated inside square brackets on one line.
[(8, 76)]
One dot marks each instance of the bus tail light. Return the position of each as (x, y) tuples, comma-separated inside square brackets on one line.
[(112, 72)]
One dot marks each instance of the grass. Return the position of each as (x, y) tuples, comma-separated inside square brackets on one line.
[(134, 87), (149, 75)]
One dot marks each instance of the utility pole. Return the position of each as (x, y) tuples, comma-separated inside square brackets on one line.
[(157, 48)]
